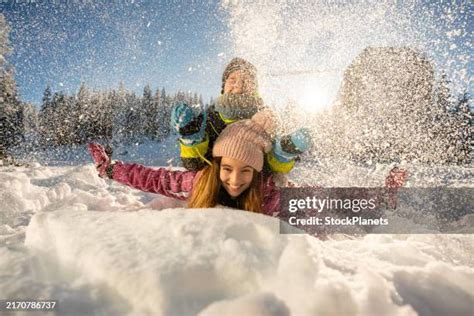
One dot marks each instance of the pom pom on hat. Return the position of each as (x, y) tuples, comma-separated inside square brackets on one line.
[(267, 120)]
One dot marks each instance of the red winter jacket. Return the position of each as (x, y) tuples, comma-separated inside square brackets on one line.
[(178, 184)]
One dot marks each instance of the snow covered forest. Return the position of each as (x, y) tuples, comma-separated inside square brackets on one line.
[(113, 116)]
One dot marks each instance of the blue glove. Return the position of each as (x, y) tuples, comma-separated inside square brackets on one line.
[(191, 128), (181, 115), (289, 147)]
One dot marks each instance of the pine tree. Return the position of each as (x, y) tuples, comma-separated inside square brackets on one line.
[(133, 123), (196, 100), (55, 135), (105, 116), (47, 96), (201, 102), (462, 105), (30, 118), (114, 106), (167, 106), (31, 125), (164, 114), (443, 94), (44, 117), (94, 117), (81, 110), (11, 112), (68, 120), (119, 132), (150, 113), (62, 130), (180, 96), (466, 130), (157, 121)]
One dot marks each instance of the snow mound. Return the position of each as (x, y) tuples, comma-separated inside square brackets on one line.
[(229, 262), (158, 260)]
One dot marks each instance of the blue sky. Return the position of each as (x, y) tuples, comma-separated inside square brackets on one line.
[(186, 44), (161, 43)]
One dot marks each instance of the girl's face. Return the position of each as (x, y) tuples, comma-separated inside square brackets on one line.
[(235, 175), (239, 82)]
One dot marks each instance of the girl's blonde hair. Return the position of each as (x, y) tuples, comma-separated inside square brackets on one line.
[(206, 190)]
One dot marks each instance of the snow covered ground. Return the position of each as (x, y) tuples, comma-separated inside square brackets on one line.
[(150, 152), (102, 248)]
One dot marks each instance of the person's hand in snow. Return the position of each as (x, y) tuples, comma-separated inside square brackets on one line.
[(101, 159), (191, 128)]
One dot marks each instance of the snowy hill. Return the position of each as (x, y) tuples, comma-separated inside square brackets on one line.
[(102, 248)]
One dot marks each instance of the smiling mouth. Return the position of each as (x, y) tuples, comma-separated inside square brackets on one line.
[(234, 188)]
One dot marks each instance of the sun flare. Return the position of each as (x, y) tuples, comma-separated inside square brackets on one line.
[(315, 96)]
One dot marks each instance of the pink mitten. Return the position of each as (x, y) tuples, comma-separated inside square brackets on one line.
[(396, 178), (100, 157)]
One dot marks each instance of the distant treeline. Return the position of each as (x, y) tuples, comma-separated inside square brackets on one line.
[(115, 116)]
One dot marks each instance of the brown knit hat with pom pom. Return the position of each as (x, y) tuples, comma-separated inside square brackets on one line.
[(239, 64), (246, 140)]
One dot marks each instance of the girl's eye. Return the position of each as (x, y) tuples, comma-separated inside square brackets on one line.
[(246, 171), (227, 170)]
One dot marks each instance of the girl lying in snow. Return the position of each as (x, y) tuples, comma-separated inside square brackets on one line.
[(233, 179)]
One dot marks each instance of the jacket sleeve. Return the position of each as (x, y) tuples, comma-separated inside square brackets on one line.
[(276, 165), (175, 184), (194, 157), (271, 197)]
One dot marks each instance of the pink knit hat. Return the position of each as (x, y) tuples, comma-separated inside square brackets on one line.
[(245, 140)]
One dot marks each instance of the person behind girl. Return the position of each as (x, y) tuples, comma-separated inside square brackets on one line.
[(234, 178), (239, 100)]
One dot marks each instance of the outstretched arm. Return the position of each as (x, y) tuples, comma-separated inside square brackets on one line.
[(175, 184)]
